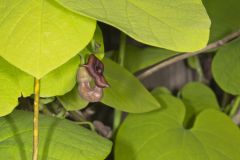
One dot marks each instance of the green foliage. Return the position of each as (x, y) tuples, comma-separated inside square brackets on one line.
[(43, 33), (13, 83), (224, 16), (72, 100), (60, 80), (226, 67), (140, 58), (160, 90), (181, 26), (197, 97), (49, 39), (60, 139), (123, 94), (126, 92), (161, 135)]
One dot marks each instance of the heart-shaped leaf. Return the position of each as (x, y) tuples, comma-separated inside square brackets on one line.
[(224, 17), (160, 135), (126, 93), (59, 139), (226, 68), (140, 58), (39, 36), (181, 26)]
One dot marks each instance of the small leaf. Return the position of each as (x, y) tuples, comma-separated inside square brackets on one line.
[(161, 135), (59, 139), (197, 97), (13, 83), (224, 17), (39, 36), (126, 93), (140, 58), (180, 26), (226, 68), (72, 100)]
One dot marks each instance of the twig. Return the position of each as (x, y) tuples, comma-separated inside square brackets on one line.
[(183, 56), (35, 119)]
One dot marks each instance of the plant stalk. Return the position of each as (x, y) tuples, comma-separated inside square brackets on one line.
[(199, 69), (121, 56), (122, 48), (36, 119), (235, 106)]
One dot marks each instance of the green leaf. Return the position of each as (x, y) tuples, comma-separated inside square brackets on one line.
[(161, 135), (126, 93), (60, 80), (95, 47), (59, 139), (197, 97), (72, 100), (224, 17), (226, 68), (98, 38), (140, 58), (181, 26), (13, 82), (159, 91), (39, 36)]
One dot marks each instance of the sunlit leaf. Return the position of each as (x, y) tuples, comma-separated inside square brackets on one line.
[(39, 36), (182, 26), (14, 83)]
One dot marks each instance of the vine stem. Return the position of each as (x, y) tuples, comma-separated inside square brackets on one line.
[(36, 119), (235, 106), (122, 49), (121, 56), (152, 69)]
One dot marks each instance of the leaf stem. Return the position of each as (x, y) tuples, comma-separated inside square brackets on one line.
[(87, 123), (36, 119), (122, 48), (117, 119), (235, 106), (152, 69), (199, 69), (121, 56)]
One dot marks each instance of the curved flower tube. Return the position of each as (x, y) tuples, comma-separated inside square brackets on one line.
[(92, 71)]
